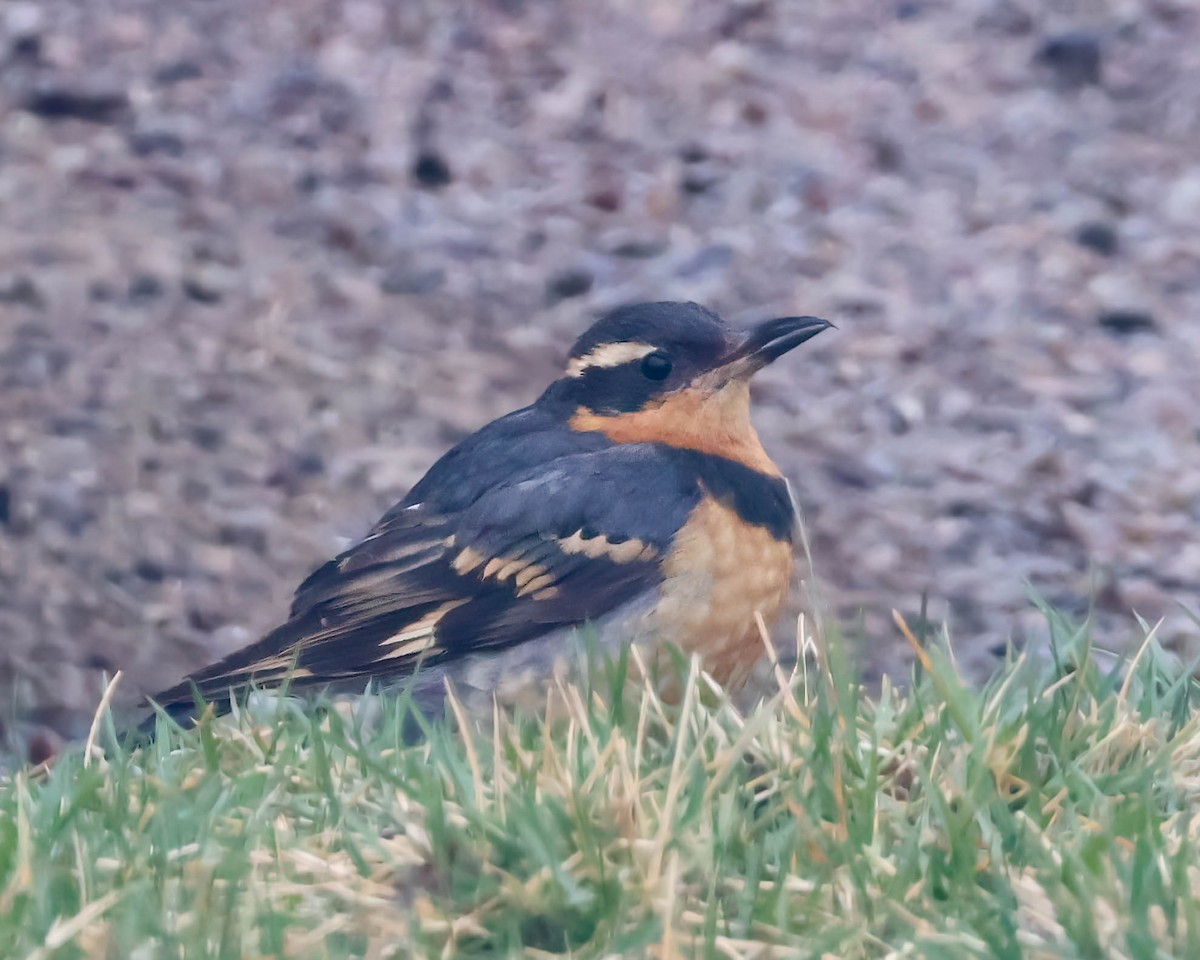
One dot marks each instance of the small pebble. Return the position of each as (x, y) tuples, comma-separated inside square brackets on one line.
[(1075, 58), (177, 72), (144, 288), (1124, 323), (146, 569), (431, 170), (566, 284), (639, 249), (415, 283), (146, 143), (1099, 237), (21, 291), (698, 180), (43, 745), (62, 103), (607, 199)]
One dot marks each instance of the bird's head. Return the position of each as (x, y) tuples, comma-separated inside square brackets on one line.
[(673, 373)]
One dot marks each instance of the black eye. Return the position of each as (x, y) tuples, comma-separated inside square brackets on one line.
[(656, 366)]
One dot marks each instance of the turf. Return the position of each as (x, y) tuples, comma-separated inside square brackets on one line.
[(1052, 813)]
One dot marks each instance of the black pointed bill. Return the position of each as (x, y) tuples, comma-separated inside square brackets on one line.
[(768, 342)]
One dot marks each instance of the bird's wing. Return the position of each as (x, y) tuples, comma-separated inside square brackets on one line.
[(563, 544)]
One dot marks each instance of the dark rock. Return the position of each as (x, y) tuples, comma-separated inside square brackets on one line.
[(295, 469), (194, 491), (740, 17), (1075, 58), (149, 571), (700, 172), (20, 291), (207, 437), (1099, 237), (94, 660), (309, 182), (1124, 323), (309, 463), (754, 113), (115, 575), (73, 425), (302, 91), (886, 154), (242, 535), (574, 282), (100, 291), (1086, 493), (607, 199), (343, 235), (144, 288), (415, 283), (43, 746), (640, 249), (64, 103), (206, 621), (27, 48), (430, 170), (5, 505), (1005, 16), (847, 472), (177, 72), (467, 250), (200, 291), (147, 142), (696, 182), (898, 422), (966, 508)]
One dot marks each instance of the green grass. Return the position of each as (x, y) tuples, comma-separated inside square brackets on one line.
[(1053, 813)]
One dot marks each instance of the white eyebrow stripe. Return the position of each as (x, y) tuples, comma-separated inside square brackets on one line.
[(610, 355)]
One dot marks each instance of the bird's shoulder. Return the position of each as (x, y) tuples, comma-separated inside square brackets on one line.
[(511, 445)]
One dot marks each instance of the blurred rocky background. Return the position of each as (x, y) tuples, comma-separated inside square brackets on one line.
[(262, 261)]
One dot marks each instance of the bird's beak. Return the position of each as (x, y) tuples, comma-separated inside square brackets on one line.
[(768, 342)]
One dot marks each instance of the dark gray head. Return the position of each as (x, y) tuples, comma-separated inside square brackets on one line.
[(637, 356)]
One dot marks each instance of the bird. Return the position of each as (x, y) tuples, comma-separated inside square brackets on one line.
[(632, 501)]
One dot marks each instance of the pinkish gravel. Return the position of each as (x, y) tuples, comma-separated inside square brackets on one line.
[(260, 262)]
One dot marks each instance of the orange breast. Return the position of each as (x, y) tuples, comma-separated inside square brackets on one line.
[(720, 572), (709, 421)]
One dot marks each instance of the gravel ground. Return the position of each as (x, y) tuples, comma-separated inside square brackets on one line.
[(260, 262)]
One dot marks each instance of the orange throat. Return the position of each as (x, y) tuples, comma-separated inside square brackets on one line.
[(716, 422)]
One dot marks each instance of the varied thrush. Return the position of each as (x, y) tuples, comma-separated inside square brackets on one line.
[(633, 495)]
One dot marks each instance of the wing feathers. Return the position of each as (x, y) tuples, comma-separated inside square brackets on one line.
[(557, 547)]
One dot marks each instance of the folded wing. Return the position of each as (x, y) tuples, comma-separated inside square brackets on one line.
[(562, 544)]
